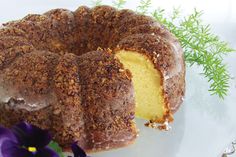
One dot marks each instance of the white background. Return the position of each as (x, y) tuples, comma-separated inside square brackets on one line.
[(205, 124)]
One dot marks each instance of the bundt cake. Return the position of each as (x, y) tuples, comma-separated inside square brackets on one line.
[(85, 75)]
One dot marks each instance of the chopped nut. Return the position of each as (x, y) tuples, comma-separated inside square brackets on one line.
[(57, 111), (121, 70)]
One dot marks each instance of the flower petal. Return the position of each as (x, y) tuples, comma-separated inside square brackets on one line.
[(77, 151), (6, 135), (12, 149), (46, 152), (31, 136)]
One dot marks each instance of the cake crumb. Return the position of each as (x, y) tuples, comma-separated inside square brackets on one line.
[(165, 126)]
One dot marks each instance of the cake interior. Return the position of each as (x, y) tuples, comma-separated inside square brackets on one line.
[(147, 84)]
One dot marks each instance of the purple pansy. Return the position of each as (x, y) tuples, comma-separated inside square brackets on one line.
[(25, 140)]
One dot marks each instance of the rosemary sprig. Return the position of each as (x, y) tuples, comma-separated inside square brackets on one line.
[(119, 4), (96, 2), (144, 6), (200, 46)]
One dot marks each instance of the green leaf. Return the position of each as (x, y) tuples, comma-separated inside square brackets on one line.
[(55, 146), (119, 4)]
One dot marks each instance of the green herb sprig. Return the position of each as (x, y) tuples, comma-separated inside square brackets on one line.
[(119, 4), (201, 47), (144, 6), (96, 2)]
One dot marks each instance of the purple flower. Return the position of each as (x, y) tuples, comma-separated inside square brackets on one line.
[(25, 140), (77, 151)]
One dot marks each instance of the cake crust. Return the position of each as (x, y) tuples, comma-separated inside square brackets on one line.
[(108, 101), (58, 71)]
